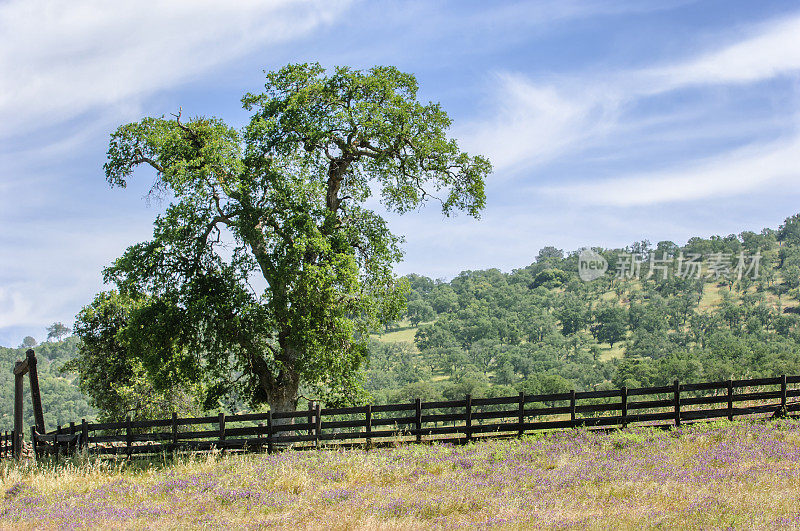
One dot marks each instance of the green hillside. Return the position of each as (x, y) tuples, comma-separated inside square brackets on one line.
[(62, 401), (543, 329)]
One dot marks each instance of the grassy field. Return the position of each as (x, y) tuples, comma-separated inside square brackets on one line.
[(736, 475), (404, 331)]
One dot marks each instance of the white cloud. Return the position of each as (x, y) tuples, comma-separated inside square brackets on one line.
[(730, 174), (60, 59), (534, 122), (52, 268), (773, 50)]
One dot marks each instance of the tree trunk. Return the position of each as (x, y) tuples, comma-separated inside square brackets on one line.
[(281, 394), (283, 400), (282, 389)]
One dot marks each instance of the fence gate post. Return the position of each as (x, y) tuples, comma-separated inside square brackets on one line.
[(521, 415), (17, 443), (71, 440), (36, 396), (677, 389)]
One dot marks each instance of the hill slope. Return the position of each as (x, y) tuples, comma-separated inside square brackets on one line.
[(713, 309), (62, 401)]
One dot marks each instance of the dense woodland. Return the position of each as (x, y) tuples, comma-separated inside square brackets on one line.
[(542, 329)]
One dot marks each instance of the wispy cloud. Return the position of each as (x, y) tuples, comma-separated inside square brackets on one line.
[(732, 173), (532, 123), (770, 50), (61, 59), (536, 121)]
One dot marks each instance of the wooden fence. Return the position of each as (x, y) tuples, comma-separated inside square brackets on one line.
[(6, 444), (456, 421)]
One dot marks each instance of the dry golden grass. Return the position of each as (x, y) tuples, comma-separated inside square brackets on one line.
[(740, 475)]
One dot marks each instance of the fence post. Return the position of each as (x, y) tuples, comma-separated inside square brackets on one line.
[(259, 436), (317, 424), (624, 393), (310, 417), (221, 422), (174, 431), (521, 415), (128, 436), (33, 443), (71, 440), (85, 436), (677, 388), (572, 414), (468, 430), (36, 396), (270, 443), (57, 441), (783, 395), (730, 400), (17, 412), (369, 426), (418, 419)]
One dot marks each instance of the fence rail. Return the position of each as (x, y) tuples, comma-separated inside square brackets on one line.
[(456, 421)]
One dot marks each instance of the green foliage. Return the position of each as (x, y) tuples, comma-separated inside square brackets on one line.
[(539, 331), (57, 331), (550, 278), (113, 358), (419, 311), (612, 324), (283, 199), (28, 342), (789, 232)]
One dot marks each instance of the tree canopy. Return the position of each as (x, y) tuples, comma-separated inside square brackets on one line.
[(280, 204), (57, 331)]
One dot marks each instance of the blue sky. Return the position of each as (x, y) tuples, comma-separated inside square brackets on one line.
[(607, 122)]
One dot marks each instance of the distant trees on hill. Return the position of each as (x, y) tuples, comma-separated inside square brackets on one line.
[(715, 308), (490, 333)]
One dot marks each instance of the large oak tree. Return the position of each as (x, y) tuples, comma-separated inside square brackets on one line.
[(267, 270)]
